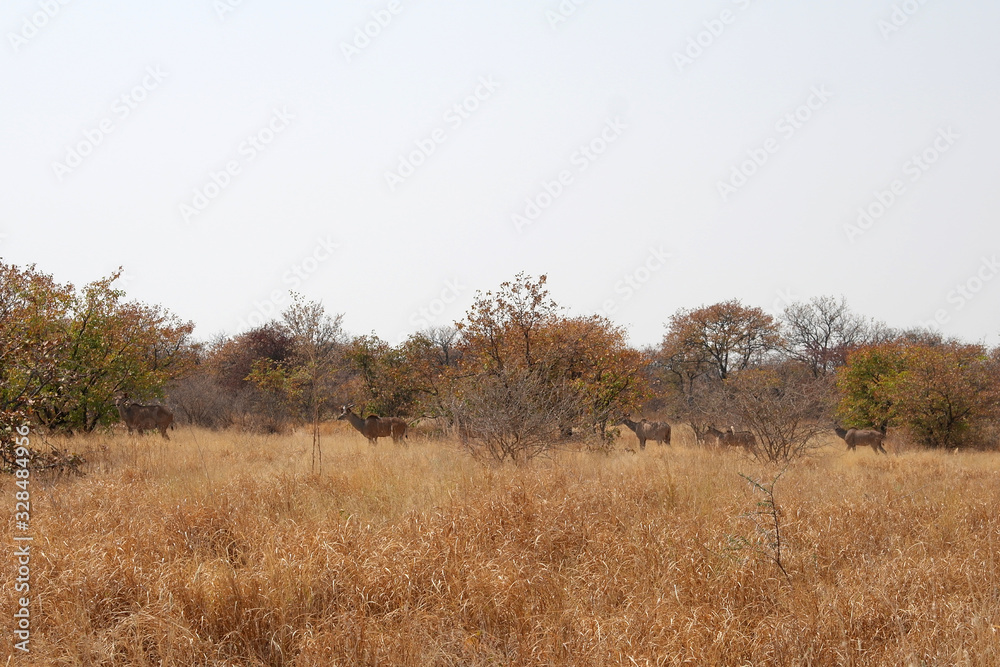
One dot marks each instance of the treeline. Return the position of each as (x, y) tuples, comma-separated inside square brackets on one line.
[(515, 375), (512, 376), (819, 364)]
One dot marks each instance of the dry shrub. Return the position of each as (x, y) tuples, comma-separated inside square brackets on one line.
[(420, 556), (515, 415), (783, 408)]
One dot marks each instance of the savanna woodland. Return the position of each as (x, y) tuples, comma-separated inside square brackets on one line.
[(519, 521)]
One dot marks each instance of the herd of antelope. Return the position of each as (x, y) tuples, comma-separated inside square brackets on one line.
[(712, 437), (660, 432), (155, 417)]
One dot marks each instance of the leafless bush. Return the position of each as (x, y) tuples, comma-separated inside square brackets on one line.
[(513, 416), (782, 407), (705, 404), (198, 399), (201, 400)]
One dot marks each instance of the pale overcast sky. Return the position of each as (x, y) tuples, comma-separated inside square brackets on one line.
[(647, 156)]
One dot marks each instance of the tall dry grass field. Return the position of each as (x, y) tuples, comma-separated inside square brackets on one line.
[(222, 548)]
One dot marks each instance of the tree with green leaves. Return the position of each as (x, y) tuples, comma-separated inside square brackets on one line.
[(867, 399), (941, 393), (64, 354), (388, 387), (114, 347), (946, 392), (34, 312)]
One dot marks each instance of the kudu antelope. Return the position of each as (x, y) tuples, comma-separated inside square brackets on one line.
[(144, 418), (374, 427), (647, 430), (734, 438), (864, 437), (710, 437)]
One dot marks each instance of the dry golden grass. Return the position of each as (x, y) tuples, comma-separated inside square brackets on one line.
[(222, 548)]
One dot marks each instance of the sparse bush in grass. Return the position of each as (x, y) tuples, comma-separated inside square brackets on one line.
[(782, 406), (766, 519), (519, 335), (514, 416)]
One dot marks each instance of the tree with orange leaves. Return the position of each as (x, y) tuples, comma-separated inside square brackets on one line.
[(723, 337), (528, 372)]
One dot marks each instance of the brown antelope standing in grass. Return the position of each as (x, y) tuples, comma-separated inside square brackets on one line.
[(710, 437), (864, 437), (374, 427), (647, 430), (734, 438), (144, 418)]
